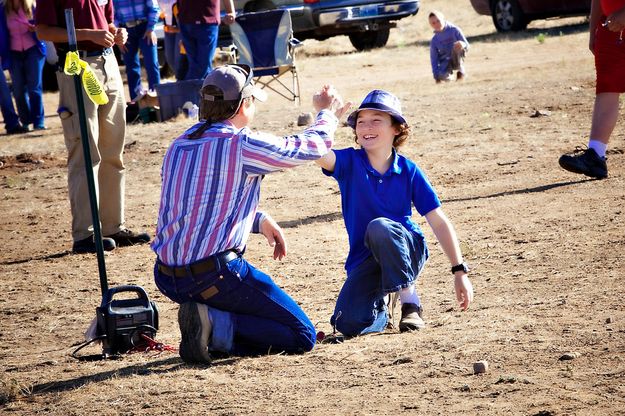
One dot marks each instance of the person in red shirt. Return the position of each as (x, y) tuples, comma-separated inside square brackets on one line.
[(106, 124), (199, 28), (607, 24)]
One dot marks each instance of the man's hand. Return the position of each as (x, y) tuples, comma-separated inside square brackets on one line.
[(272, 231), (150, 37), (102, 37), (121, 36), (329, 99), (458, 46), (464, 290)]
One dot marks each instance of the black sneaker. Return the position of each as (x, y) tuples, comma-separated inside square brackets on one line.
[(88, 245), (127, 237), (17, 130), (585, 161), (411, 317), (195, 331)]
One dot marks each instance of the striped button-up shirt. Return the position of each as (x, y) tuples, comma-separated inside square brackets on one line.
[(211, 185), (130, 11)]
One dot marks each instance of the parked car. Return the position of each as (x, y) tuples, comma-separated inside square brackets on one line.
[(511, 15), (366, 22)]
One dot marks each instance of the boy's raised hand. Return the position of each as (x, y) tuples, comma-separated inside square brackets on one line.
[(329, 99), (273, 233)]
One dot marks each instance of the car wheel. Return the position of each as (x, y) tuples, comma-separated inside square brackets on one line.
[(370, 39), (508, 16)]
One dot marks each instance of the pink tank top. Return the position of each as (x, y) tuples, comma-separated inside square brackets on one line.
[(610, 6)]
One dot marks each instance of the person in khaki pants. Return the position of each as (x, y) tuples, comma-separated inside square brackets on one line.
[(106, 124)]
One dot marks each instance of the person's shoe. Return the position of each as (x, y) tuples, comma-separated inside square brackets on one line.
[(88, 245), (40, 128), (127, 237), (17, 130), (195, 331), (585, 161), (411, 318)]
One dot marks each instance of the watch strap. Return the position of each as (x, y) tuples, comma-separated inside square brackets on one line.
[(460, 267)]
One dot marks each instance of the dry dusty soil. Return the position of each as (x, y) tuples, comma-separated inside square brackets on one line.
[(546, 247)]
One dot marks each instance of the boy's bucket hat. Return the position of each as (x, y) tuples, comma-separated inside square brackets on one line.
[(235, 83), (379, 100)]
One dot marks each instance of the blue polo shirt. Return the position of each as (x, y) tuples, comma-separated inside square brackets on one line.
[(367, 195)]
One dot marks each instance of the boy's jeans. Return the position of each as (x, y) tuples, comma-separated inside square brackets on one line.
[(250, 313), (398, 256)]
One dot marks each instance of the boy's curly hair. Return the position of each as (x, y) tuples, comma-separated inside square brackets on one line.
[(400, 139), (212, 111)]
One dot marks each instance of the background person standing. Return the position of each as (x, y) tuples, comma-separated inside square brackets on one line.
[(11, 121), (199, 25), (607, 27), (28, 55), (106, 124), (138, 17)]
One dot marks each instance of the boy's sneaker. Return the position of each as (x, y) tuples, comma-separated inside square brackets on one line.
[(195, 330), (88, 245), (411, 317), (585, 161), (127, 237)]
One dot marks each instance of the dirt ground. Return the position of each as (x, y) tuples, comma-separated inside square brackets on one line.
[(546, 248)]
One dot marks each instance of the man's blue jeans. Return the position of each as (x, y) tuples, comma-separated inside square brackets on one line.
[(398, 256), (200, 42), (11, 122), (250, 313), (26, 73), (136, 41)]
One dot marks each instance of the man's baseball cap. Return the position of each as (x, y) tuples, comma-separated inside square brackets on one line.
[(235, 83), (378, 100)]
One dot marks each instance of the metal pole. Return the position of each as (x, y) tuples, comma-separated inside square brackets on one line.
[(93, 198)]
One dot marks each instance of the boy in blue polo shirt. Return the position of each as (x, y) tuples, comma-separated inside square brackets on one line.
[(387, 250)]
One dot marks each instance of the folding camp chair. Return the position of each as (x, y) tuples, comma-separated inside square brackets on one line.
[(264, 41)]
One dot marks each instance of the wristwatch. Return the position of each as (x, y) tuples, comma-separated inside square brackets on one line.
[(460, 267)]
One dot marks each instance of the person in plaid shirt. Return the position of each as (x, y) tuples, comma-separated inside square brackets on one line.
[(138, 17)]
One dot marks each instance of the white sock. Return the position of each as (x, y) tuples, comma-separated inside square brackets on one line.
[(598, 147), (409, 295)]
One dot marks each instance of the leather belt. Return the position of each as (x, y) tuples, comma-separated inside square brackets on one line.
[(82, 54), (207, 265), (98, 52)]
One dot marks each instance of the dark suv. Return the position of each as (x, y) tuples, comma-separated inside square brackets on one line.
[(366, 22), (509, 15)]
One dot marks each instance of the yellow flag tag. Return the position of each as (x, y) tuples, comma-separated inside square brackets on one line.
[(93, 88)]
